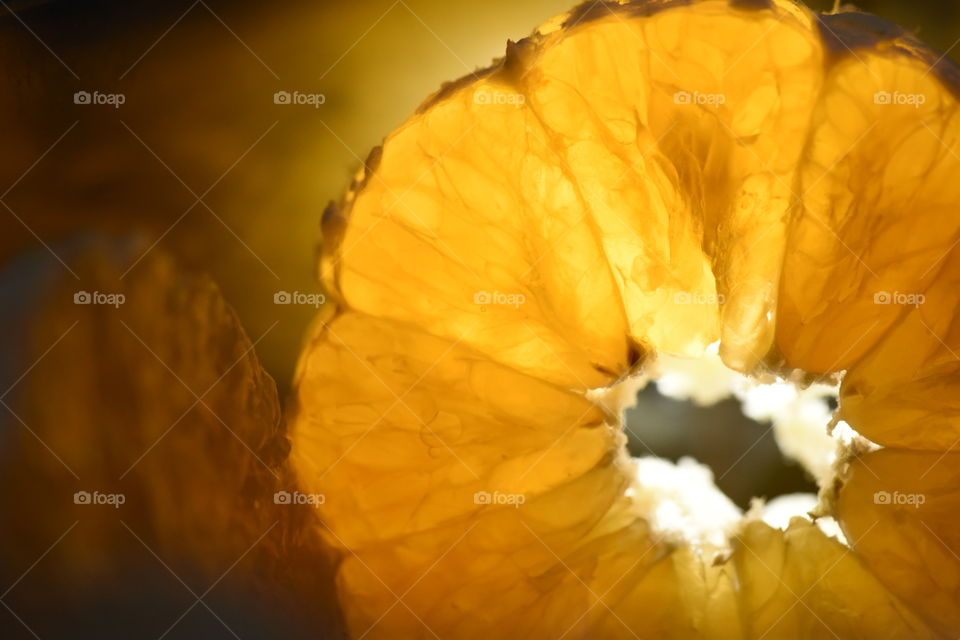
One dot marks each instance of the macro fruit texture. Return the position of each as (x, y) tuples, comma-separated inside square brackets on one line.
[(631, 180)]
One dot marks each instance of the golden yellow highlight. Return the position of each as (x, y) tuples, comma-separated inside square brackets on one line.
[(633, 179)]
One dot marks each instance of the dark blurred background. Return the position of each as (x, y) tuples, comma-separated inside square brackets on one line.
[(201, 164)]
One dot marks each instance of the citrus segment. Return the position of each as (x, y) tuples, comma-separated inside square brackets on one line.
[(455, 203), (904, 392), (800, 583), (878, 191), (681, 597), (684, 151), (401, 429), (898, 509)]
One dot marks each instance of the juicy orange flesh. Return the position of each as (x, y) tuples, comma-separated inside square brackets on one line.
[(634, 179)]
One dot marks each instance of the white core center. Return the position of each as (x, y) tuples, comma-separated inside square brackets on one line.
[(681, 500)]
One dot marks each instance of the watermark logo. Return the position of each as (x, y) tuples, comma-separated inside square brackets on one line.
[(913, 499), (112, 99), (486, 96), (296, 297), (96, 498), (898, 297), (685, 297), (296, 97), (497, 498), (486, 298), (296, 497), (700, 99), (899, 98), (96, 297)]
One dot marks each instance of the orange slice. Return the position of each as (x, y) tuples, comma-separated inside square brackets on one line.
[(637, 179)]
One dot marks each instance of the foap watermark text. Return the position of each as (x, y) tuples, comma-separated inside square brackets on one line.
[(897, 498), (97, 498), (498, 498), (296, 97), (487, 96), (99, 298), (700, 99), (297, 498), (299, 298), (490, 298), (899, 297), (687, 297), (914, 100), (97, 98)]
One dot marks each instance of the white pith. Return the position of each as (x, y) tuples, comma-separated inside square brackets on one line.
[(681, 501)]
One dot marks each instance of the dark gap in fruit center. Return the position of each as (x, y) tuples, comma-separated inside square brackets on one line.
[(742, 453)]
